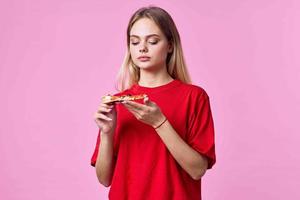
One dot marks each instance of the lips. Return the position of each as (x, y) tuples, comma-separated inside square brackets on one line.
[(144, 58)]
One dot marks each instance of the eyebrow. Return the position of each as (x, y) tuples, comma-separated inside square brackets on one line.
[(147, 36)]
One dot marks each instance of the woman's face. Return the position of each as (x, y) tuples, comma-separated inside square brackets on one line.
[(146, 39)]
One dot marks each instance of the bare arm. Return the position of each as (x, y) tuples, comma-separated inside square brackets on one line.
[(189, 159), (105, 161), (105, 118)]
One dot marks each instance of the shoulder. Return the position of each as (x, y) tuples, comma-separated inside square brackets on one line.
[(194, 91)]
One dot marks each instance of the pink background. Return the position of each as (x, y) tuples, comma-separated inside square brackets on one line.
[(58, 57)]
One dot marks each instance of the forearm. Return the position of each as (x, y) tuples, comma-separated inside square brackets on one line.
[(189, 159), (105, 162)]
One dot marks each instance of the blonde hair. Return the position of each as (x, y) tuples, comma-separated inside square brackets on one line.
[(129, 73)]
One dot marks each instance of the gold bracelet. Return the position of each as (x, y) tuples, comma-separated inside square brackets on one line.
[(161, 123)]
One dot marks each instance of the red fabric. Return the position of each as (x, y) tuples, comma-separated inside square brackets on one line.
[(144, 167)]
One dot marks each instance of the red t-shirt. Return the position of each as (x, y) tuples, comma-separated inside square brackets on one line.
[(144, 168)]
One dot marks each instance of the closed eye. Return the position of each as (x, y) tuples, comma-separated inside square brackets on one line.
[(153, 42), (135, 43)]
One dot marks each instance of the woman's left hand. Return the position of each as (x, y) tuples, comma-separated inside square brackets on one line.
[(148, 112)]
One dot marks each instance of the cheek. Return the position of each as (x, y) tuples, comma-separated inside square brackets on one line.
[(133, 52), (161, 52)]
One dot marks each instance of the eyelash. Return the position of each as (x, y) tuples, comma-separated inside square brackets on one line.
[(153, 43)]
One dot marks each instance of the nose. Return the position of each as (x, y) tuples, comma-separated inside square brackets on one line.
[(143, 48)]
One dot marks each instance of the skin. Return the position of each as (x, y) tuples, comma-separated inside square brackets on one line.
[(146, 39)]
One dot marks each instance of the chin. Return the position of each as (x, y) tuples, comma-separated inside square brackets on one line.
[(144, 64), (148, 67)]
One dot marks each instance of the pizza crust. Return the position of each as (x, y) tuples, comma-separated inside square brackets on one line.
[(112, 99)]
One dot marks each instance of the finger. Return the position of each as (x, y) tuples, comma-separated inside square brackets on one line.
[(148, 102), (100, 122), (135, 105), (105, 105), (111, 104), (146, 99), (136, 114), (133, 111), (102, 116), (104, 110), (132, 108)]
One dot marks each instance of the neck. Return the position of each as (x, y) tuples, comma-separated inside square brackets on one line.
[(154, 78)]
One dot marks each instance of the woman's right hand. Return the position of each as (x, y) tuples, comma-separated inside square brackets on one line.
[(105, 118)]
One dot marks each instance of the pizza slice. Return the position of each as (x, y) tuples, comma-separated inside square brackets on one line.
[(127, 97)]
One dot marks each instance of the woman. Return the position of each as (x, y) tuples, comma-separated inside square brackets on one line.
[(159, 147)]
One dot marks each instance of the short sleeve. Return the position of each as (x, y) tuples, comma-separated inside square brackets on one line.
[(95, 154), (201, 136)]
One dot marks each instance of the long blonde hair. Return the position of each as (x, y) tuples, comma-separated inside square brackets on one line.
[(129, 73)]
